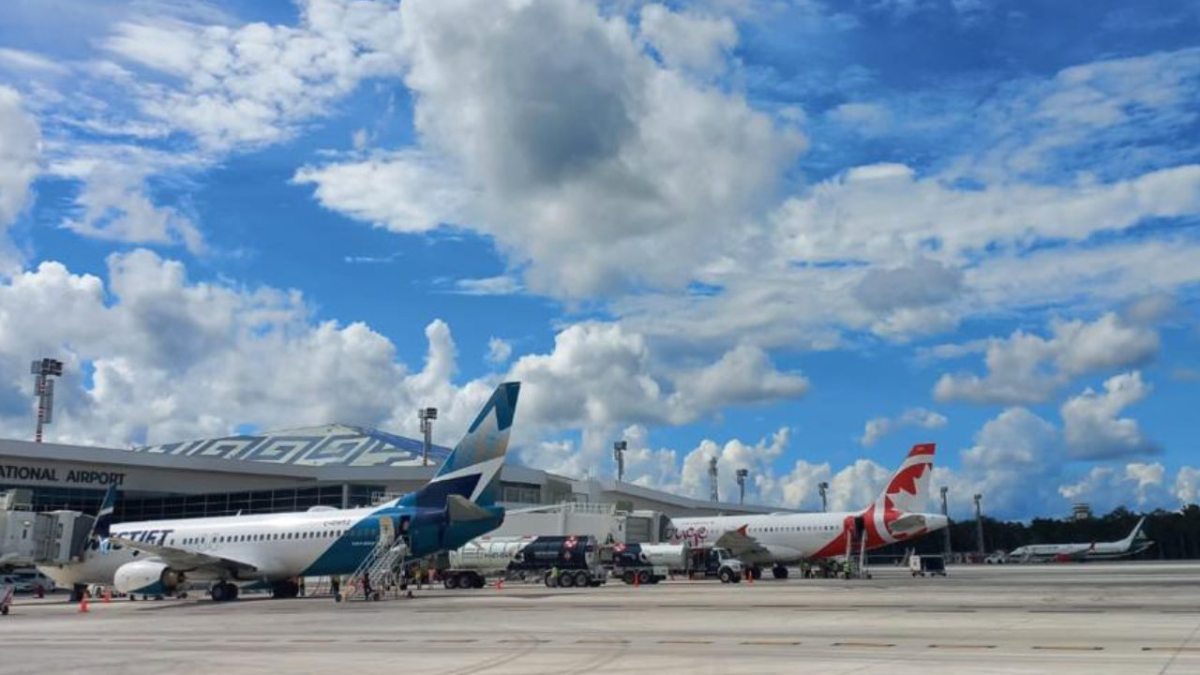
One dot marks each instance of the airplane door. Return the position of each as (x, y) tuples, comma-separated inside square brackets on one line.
[(387, 531)]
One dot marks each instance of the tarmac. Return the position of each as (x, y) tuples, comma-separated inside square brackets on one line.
[(1062, 618)]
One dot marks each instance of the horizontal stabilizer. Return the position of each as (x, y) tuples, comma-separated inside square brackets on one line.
[(460, 509)]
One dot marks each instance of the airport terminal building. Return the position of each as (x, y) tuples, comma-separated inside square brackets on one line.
[(293, 470)]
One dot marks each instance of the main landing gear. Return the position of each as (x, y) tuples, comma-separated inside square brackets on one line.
[(223, 591), (780, 572)]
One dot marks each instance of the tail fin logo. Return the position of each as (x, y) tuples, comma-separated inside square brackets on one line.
[(910, 483), (472, 470)]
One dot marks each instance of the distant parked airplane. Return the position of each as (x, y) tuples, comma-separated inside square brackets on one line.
[(1105, 550)]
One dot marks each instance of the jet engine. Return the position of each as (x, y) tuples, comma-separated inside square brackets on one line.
[(147, 577)]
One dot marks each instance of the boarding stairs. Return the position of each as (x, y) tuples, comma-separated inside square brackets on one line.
[(381, 568), (856, 555)]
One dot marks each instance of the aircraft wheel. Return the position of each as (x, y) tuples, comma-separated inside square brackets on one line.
[(756, 573), (232, 591), (217, 592), (779, 572)]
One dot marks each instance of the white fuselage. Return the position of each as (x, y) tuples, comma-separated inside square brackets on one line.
[(792, 537), (280, 545)]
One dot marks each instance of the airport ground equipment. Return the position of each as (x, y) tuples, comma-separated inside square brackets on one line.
[(379, 570), (649, 563), (715, 561), (558, 561), (6, 596), (469, 566), (561, 561), (931, 565)]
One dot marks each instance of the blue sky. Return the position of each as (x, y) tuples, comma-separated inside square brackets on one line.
[(800, 236)]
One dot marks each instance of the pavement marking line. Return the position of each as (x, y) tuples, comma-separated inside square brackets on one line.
[(1068, 648), (453, 640), (519, 641), (776, 643), (601, 642), (863, 644), (951, 646), (921, 610), (387, 640), (1066, 611), (1171, 649), (685, 642)]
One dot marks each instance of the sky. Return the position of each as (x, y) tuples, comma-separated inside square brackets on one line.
[(798, 236)]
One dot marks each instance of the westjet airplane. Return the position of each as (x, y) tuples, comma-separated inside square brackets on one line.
[(1133, 544), (156, 557), (780, 539)]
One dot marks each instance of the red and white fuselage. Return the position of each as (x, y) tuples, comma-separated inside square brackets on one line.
[(782, 538)]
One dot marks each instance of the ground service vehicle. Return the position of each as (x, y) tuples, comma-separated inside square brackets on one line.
[(649, 563), (561, 561), (932, 565), (715, 562), (470, 565)]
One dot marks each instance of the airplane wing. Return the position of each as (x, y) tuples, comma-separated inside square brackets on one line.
[(188, 561), (741, 544)]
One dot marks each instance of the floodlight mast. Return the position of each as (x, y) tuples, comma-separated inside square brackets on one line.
[(427, 416), (979, 524), (946, 530), (619, 448), (741, 481), (824, 488), (712, 477), (43, 388)]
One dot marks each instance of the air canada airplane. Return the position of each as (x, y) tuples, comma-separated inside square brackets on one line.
[(779, 539), (1133, 544), (157, 557)]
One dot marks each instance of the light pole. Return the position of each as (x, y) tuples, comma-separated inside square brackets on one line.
[(712, 477), (619, 449), (43, 388), (741, 479), (427, 416), (824, 488), (946, 512), (979, 524)]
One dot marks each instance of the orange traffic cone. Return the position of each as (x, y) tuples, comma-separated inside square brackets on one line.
[(83, 604), (500, 584)]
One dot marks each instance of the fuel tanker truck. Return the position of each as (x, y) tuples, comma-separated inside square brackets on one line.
[(652, 563), (558, 561)]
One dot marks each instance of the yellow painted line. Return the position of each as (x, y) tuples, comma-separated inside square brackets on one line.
[(1069, 648), (863, 644), (950, 646)]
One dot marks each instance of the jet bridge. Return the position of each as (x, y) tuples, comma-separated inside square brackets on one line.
[(29, 538)]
